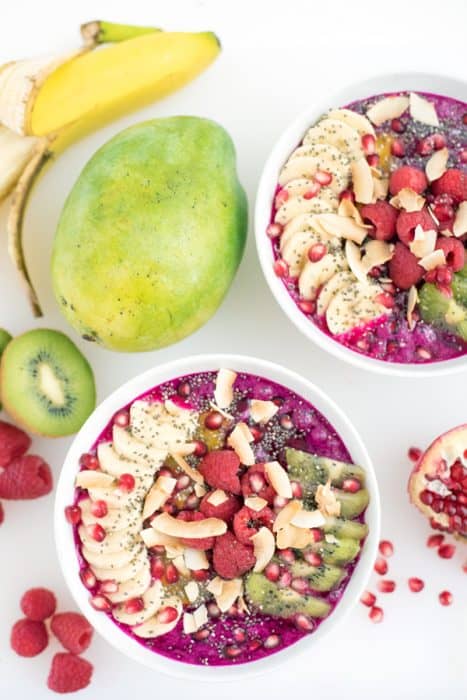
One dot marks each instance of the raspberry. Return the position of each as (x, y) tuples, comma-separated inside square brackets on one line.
[(69, 673), (26, 477), (224, 511), (254, 483), (383, 217), (452, 182), (220, 470), (13, 443), (404, 269), (28, 637), (72, 630), (407, 176), (247, 522), (38, 604), (189, 516), (231, 558), (407, 221), (453, 251), (2, 514)]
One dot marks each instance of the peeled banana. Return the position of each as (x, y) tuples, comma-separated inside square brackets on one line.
[(48, 103)]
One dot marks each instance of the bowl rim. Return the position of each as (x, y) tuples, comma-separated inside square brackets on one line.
[(283, 146), (94, 425)]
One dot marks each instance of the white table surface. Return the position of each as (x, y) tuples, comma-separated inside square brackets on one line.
[(277, 56)]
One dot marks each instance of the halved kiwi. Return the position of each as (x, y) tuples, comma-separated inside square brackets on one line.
[(47, 385)]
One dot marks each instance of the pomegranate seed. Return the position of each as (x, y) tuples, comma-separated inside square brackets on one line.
[(281, 268), (398, 148), (424, 354), (312, 190), (323, 177), (299, 585), (213, 420), (281, 198), (416, 584), (297, 490), (200, 574), (184, 389), (126, 483), (108, 586), (99, 509), (165, 472), (232, 651), (444, 275), (385, 586), (347, 194), (257, 482), (426, 497), (316, 534), (89, 461), (122, 419), (272, 572), (386, 548), (375, 272), (397, 126), (254, 644), (256, 432), (192, 502), (463, 156), (280, 502), (285, 579), (307, 306), (171, 573), (101, 603), (88, 579), (351, 485), (385, 299), (274, 230), (376, 614), (302, 622), (414, 453), (213, 610), (200, 448), (313, 558), (96, 532), (317, 252), (445, 598), (272, 641), (368, 599), (425, 146), (167, 614), (201, 635), (446, 551), (286, 422), (287, 555), (368, 144), (182, 482), (157, 568), (239, 635), (373, 160), (73, 514), (381, 566), (439, 141), (135, 605)]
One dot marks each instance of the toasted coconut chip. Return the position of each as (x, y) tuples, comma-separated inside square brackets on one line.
[(286, 515), (380, 187), (362, 179), (195, 559), (255, 503), (159, 538), (93, 479), (446, 233), (326, 500), (279, 479), (241, 445), (460, 222), (149, 537), (192, 591), (193, 621), (220, 410), (179, 563), (308, 519), (330, 538), (217, 497), (348, 208), (184, 449), (422, 110), (194, 474), (174, 550), (215, 586), (436, 165), (225, 592), (154, 500), (262, 411), (423, 243), (223, 393), (200, 490), (354, 257), (411, 304), (189, 625), (264, 546), (242, 606), (432, 260), (377, 253), (166, 484), (408, 199), (432, 214), (387, 108), (291, 536), (245, 431), (198, 529), (341, 227)]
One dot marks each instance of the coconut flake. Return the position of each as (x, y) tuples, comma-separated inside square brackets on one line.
[(408, 199), (380, 187), (217, 497), (377, 253), (215, 586), (341, 227), (279, 479), (295, 537), (192, 591), (179, 563), (223, 393), (354, 258), (198, 529), (286, 514), (326, 500), (432, 260), (201, 616), (411, 303), (387, 108), (195, 559), (362, 181), (423, 243), (200, 490), (264, 546), (240, 444), (436, 165), (223, 412), (262, 411), (160, 539), (460, 222), (348, 208), (422, 110), (189, 625), (255, 503), (154, 500), (194, 474), (94, 479), (225, 592), (308, 519)]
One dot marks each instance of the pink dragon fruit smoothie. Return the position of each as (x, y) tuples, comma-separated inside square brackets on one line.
[(218, 518), (369, 227)]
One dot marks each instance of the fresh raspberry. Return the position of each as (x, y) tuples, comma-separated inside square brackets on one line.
[(2, 514), (231, 558), (69, 673), (382, 216), (190, 516), (72, 630), (407, 176), (220, 470), (38, 604), (28, 637), (452, 182), (26, 477), (224, 511), (407, 221), (14, 442), (248, 521), (404, 269), (453, 251), (255, 483)]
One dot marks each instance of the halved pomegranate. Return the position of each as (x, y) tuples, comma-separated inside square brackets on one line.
[(438, 483)]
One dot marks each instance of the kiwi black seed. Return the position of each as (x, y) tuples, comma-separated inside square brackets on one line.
[(47, 385)]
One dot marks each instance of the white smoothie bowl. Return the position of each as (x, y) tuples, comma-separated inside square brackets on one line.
[(287, 142), (91, 430)]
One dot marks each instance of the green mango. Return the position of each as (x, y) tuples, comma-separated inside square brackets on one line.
[(151, 235)]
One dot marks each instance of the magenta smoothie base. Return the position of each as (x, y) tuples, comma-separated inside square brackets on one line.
[(389, 338), (311, 432)]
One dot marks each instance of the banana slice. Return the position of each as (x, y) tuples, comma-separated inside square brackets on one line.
[(353, 119), (330, 289), (153, 627), (304, 222), (113, 542), (315, 274), (336, 133), (129, 447), (324, 202), (123, 573), (152, 600), (116, 518), (306, 160), (353, 306), (154, 425), (120, 499), (112, 560), (295, 250), (114, 464), (134, 587)]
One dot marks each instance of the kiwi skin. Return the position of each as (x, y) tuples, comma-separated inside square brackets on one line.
[(30, 396)]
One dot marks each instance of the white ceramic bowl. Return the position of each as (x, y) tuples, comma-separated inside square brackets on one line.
[(92, 429), (267, 187)]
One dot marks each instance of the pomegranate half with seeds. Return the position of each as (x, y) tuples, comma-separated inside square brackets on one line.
[(438, 483)]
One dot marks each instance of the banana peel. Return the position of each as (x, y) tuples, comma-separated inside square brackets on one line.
[(48, 103)]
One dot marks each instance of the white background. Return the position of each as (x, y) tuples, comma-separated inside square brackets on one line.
[(277, 57)]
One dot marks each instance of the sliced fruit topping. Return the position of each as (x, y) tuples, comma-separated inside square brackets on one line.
[(387, 108), (282, 602)]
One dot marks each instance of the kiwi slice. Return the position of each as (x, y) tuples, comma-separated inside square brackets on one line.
[(5, 338), (449, 313), (47, 385)]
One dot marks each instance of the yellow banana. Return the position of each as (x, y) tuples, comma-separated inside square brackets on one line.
[(46, 104)]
